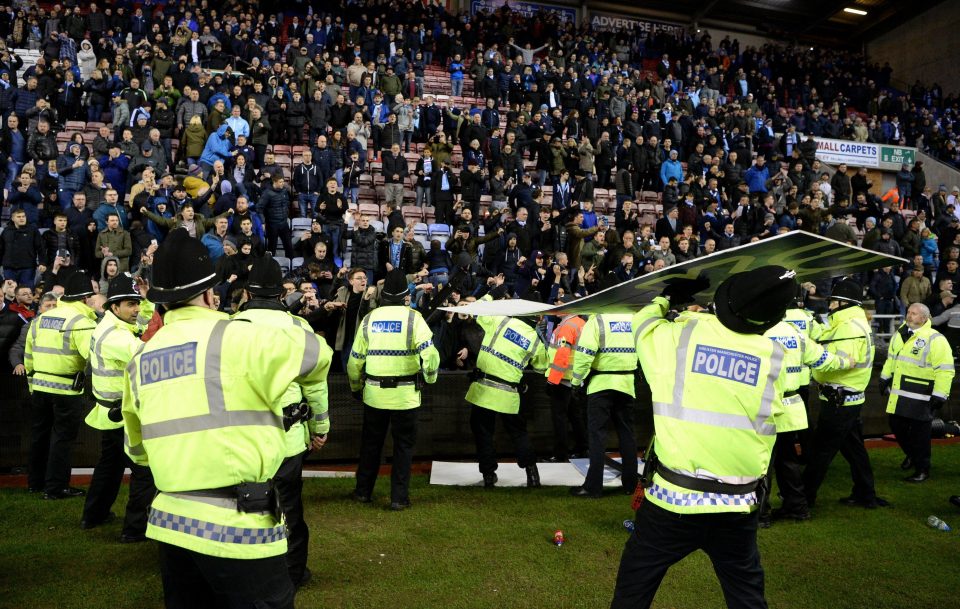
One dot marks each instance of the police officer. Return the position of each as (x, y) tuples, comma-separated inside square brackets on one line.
[(262, 306), (917, 377), (509, 345), (55, 356), (113, 344), (716, 383), (201, 408), (800, 354), (563, 407), (392, 355), (605, 360), (839, 427)]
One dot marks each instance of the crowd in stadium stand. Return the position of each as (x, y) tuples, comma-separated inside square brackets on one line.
[(365, 137)]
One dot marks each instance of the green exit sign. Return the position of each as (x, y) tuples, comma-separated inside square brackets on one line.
[(897, 155)]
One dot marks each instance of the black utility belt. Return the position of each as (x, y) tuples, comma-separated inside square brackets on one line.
[(789, 394), (599, 372), (251, 497), (392, 382), (77, 379), (706, 486)]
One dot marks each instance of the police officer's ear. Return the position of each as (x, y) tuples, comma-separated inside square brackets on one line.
[(209, 300)]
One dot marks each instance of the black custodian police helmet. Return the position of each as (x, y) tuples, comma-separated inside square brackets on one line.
[(182, 269), (266, 277), (848, 291), (754, 301), (123, 287), (77, 286), (395, 287)]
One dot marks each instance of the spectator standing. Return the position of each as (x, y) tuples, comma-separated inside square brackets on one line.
[(274, 204)]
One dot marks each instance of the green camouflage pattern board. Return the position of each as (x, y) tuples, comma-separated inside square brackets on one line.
[(812, 257)]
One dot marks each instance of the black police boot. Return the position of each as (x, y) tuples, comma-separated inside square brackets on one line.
[(920, 476), (533, 477), (489, 480)]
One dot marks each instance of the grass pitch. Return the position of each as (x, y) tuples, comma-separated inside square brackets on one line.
[(471, 548)]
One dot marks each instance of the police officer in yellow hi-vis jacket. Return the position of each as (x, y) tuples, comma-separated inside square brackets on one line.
[(262, 306), (839, 426), (605, 360), (509, 345), (716, 383), (113, 344), (392, 356), (55, 357), (202, 407), (801, 353), (917, 377)]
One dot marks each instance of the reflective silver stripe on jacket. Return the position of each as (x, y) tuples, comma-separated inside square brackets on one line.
[(870, 351), (910, 394), (218, 416)]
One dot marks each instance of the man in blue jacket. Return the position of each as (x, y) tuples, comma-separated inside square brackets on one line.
[(757, 176), (217, 149)]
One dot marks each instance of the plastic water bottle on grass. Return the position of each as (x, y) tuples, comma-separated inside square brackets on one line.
[(935, 523)]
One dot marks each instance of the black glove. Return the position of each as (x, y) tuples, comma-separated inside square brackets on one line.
[(832, 395), (357, 395), (115, 415), (885, 385), (936, 403), (681, 290)]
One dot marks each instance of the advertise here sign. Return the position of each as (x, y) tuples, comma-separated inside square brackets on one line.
[(527, 9), (612, 22), (858, 154)]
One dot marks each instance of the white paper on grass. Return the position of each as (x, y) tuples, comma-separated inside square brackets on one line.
[(812, 257)]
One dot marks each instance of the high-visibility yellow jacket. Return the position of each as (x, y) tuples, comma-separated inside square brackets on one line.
[(560, 351), (202, 408), (800, 355), (806, 323), (391, 342), (58, 346), (316, 394), (849, 335), (607, 344), (113, 344), (509, 345), (716, 395), (921, 367)]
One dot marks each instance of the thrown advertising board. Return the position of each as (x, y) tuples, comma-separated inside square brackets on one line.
[(812, 257)]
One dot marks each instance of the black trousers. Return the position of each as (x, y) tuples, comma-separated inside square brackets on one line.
[(282, 232), (105, 485), (196, 581), (56, 423), (785, 464), (913, 436), (403, 427), (661, 538), (483, 422), (839, 428), (565, 409), (289, 481), (603, 408)]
